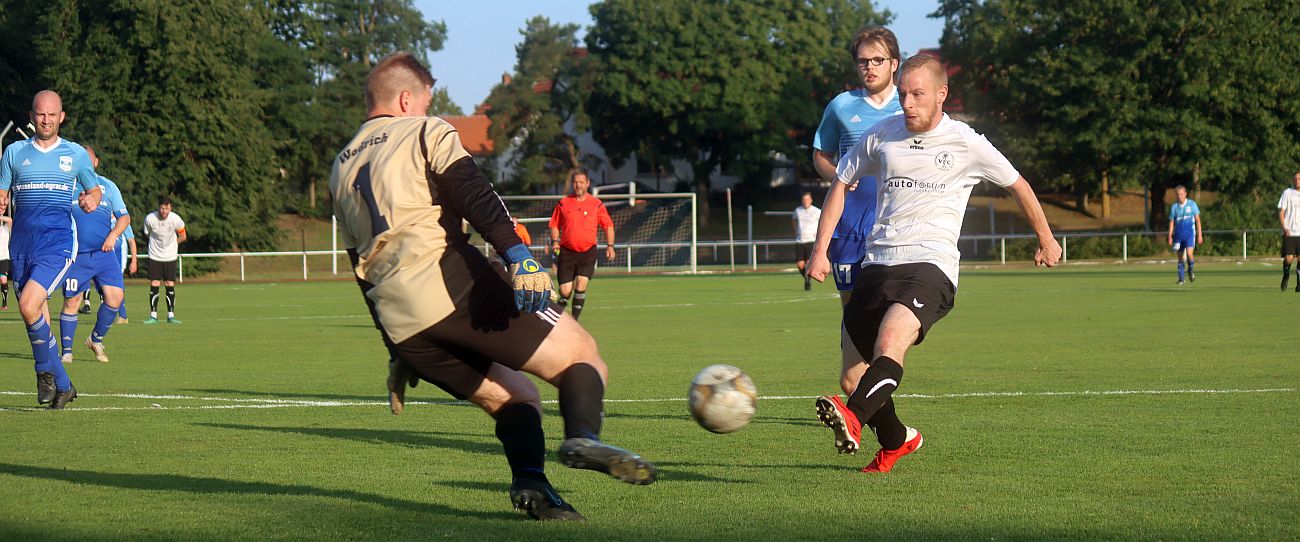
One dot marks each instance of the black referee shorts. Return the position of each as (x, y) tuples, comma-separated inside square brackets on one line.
[(921, 287), (573, 264)]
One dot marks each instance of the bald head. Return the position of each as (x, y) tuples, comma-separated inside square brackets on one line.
[(46, 116), (399, 85), (94, 160)]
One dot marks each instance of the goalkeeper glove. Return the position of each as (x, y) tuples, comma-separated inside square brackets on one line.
[(531, 282)]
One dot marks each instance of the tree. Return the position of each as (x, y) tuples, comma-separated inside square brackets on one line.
[(713, 82), (540, 109), (1156, 94)]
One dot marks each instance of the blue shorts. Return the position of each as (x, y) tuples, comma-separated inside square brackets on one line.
[(1182, 242), (103, 267), (46, 271), (846, 259)]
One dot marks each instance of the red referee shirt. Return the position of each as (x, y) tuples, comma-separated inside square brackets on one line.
[(579, 221)]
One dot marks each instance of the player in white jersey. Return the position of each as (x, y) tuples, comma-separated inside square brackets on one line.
[(6, 224), (1288, 213), (164, 230), (805, 220), (926, 165)]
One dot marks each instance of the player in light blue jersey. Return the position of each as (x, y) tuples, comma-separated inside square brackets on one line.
[(126, 251), (875, 53), (98, 261), (44, 176), (1185, 232)]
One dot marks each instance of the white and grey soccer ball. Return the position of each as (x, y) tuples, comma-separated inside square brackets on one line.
[(723, 398)]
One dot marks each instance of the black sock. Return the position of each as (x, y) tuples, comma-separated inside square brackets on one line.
[(5, 289), (880, 380), (153, 299), (519, 428), (564, 302), (171, 300), (579, 299), (582, 396), (890, 431)]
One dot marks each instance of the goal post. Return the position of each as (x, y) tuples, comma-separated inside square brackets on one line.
[(654, 232)]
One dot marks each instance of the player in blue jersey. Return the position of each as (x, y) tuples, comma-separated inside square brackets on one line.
[(43, 176), (1185, 232), (126, 251), (98, 260), (875, 53)]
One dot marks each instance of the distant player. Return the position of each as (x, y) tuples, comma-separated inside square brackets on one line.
[(46, 174), (805, 220), (1288, 213), (165, 230), (927, 165), (401, 189), (6, 224), (875, 53), (574, 224), (98, 236), (1185, 232)]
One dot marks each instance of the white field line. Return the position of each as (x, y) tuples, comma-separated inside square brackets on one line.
[(284, 403)]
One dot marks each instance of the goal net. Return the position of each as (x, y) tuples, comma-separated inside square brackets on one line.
[(653, 232)]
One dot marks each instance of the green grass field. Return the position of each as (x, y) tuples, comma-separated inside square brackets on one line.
[(1084, 402)]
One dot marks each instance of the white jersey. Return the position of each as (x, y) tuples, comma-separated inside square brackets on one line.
[(1290, 205), (4, 241), (162, 236), (806, 221), (924, 181)]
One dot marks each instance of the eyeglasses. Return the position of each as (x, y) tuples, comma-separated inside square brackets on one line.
[(864, 62)]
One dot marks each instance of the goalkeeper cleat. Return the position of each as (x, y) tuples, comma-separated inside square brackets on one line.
[(85, 308), (540, 501), (150, 320), (885, 459), (63, 398), (173, 321), (97, 348), (45, 390), (400, 374), (591, 454), (837, 416)]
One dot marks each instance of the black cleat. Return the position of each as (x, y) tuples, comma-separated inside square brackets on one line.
[(45, 390), (1191, 277), (85, 308), (400, 374), (589, 454), (1285, 280), (540, 501), (63, 398)]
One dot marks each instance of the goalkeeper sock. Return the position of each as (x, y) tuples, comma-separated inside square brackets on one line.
[(4, 289), (519, 428), (153, 301), (579, 298), (582, 394), (67, 330), (890, 431), (171, 301), (875, 388)]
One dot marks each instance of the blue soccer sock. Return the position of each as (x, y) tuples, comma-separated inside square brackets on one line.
[(45, 350), (67, 330), (121, 309), (103, 321), (1191, 266), (1181, 265)]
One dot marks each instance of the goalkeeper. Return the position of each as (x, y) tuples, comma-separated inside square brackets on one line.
[(401, 188)]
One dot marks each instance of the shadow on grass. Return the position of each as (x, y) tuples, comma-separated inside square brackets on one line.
[(377, 436), (204, 485)]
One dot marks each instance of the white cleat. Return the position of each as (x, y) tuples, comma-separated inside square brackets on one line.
[(67, 358), (98, 349)]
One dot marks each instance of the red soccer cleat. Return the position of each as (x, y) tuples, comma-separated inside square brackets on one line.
[(885, 459), (837, 416)]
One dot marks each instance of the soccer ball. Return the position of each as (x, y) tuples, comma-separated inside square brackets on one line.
[(722, 398)]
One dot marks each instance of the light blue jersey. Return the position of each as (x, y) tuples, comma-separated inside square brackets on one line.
[(93, 227), (843, 123), (1184, 218), (43, 184)]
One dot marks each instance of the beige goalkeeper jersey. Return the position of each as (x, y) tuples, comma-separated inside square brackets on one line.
[(389, 196)]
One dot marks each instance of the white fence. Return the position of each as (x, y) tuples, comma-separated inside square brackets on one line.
[(720, 255)]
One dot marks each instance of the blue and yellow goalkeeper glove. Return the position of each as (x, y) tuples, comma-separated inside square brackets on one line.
[(531, 282)]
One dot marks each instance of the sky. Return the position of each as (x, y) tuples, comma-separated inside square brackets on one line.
[(481, 37)]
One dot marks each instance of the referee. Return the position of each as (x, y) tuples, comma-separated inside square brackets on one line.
[(574, 223)]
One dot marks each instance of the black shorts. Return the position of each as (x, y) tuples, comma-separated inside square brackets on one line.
[(802, 252), (921, 287), (456, 353), (6, 267), (1290, 246), (573, 264), (162, 270)]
